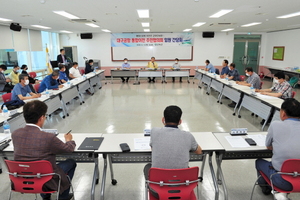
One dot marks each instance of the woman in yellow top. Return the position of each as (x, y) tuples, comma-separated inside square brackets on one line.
[(14, 75), (153, 65)]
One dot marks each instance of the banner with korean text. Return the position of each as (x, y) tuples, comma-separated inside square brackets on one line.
[(151, 39)]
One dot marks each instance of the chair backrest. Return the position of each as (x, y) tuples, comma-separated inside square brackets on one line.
[(293, 94), (174, 176), (29, 177), (292, 166), (37, 87), (82, 71), (32, 74), (242, 77), (260, 86), (6, 97)]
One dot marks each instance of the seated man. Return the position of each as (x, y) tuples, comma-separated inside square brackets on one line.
[(281, 88), (283, 139), (233, 73), (171, 146), (124, 66), (50, 82), (176, 66), (152, 65), (74, 71), (89, 67), (209, 67), (14, 75), (225, 69), (22, 90), (253, 79), (5, 85), (31, 143), (63, 78)]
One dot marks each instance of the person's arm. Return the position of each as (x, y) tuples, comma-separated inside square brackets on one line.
[(21, 97), (71, 76), (269, 138), (198, 150), (48, 84), (243, 83), (58, 146)]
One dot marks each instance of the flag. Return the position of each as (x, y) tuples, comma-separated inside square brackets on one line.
[(49, 66)]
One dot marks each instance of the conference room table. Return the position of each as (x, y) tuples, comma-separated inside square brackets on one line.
[(140, 152), (261, 105), (235, 149), (80, 156), (119, 72), (274, 70), (182, 72)]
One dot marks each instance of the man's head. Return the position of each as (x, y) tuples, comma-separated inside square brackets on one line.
[(24, 67), (23, 79), (3, 68), (91, 62), (62, 51), (232, 66), (207, 62), (152, 59), (34, 112), (290, 108), (75, 64), (225, 63), (55, 74), (16, 68), (62, 68), (249, 71), (279, 77), (125, 60), (172, 115)]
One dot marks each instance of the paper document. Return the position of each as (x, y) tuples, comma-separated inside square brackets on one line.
[(142, 143), (4, 137), (259, 139), (237, 141), (265, 96)]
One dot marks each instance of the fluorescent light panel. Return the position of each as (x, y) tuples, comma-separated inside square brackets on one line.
[(147, 30), (106, 30), (289, 15), (63, 31), (229, 29), (39, 26), (221, 13), (186, 30), (65, 14), (145, 24), (5, 20), (199, 24), (143, 13), (92, 25), (251, 24)]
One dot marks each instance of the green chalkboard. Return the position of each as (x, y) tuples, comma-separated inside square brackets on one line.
[(278, 53)]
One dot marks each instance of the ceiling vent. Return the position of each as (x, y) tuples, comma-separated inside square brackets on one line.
[(83, 20)]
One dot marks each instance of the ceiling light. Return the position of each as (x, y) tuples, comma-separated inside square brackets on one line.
[(65, 14), (229, 29), (39, 26), (186, 30), (145, 24), (63, 31), (289, 15), (220, 13), (143, 13), (199, 24), (146, 30), (5, 20), (92, 25), (251, 24), (106, 30)]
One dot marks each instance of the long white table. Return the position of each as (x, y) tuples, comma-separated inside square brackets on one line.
[(123, 73), (151, 73), (182, 72)]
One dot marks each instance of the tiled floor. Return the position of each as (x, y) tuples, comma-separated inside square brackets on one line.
[(127, 108)]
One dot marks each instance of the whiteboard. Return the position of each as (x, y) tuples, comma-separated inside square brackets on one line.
[(145, 53)]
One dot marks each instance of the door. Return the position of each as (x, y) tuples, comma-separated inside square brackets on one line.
[(246, 52)]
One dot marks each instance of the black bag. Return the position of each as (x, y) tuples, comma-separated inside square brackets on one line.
[(13, 104)]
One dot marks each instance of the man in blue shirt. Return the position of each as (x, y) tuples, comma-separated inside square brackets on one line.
[(209, 67), (125, 66), (50, 82), (233, 74), (63, 78), (225, 69), (22, 89), (89, 67)]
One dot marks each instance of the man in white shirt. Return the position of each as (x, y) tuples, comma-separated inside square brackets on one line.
[(74, 71)]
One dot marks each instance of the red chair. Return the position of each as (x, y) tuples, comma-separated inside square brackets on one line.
[(29, 177), (37, 87), (242, 78), (290, 171), (173, 183), (32, 74), (6, 97), (293, 94), (82, 71)]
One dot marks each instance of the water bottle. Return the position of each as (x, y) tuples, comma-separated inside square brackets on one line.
[(68, 84), (6, 127), (252, 89), (5, 111), (47, 93), (215, 75), (226, 78)]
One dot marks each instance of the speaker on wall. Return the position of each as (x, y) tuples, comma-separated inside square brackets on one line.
[(208, 34), (86, 35), (15, 27)]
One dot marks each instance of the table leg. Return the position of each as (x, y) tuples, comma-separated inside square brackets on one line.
[(213, 176), (113, 180), (64, 107), (220, 174), (95, 176), (202, 167), (103, 177)]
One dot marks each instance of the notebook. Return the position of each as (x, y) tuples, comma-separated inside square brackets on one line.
[(91, 143)]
